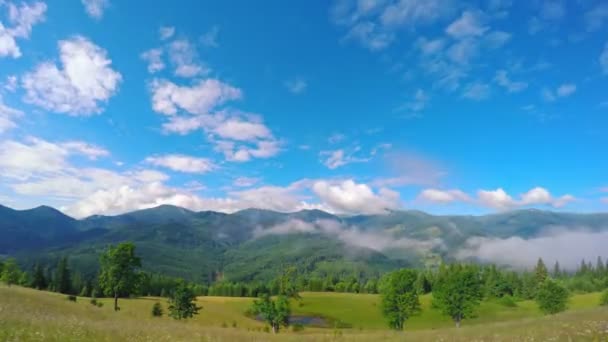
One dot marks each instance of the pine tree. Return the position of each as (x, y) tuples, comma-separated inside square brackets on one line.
[(540, 272), (600, 267), (62, 279), (556, 270), (38, 279)]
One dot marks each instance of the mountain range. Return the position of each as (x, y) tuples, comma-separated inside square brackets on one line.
[(252, 244)]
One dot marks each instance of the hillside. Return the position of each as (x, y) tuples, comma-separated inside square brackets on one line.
[(247, 245), (30, 315)]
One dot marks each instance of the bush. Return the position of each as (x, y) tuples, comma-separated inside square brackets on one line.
[(234, 324), (157, 310), (604, 298), (297, 327), (71, 298), (507, 301), (93, 301), (552, 297), (99, 304)]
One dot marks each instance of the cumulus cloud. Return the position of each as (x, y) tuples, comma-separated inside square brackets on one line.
[(95, 8), (183, 55), (245, 182), (352, 236), (182, 163), (200, 98), (238, 136), (350, 197), (499, 199), (566, 246), (337, 158), (22, 18), (80, 86), (154, 59), (443, 196)]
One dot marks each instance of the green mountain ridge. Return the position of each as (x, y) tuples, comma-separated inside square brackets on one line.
[(253, 244)]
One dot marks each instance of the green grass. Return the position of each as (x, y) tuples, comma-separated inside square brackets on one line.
[(30, 315)]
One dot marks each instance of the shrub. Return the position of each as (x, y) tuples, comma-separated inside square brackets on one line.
[(93, 301), (604, 298), (157, 310), (551, 297), (297, 327), (224, 325), (234, 324), (507, 301), (71, 298), (99, 304)]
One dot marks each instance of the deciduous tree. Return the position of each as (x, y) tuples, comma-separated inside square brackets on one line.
[(400, 297), (458, 292), (119, 271)]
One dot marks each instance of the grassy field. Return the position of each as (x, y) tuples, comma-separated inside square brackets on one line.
[(29, 315)]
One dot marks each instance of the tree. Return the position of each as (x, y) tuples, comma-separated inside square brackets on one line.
[(287, 283), (157, 310), (10, 272), (556, 270), (540, 272), (457, 292), (62, 278), (552, 297), (119, 271), (182, 302), (399, 295), (38, 279), (274, 312)]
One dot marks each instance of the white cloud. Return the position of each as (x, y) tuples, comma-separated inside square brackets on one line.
[(7, 116), (84, 82), (154, 59), (468, 25), (352, 236), (244, 152), (184, 57), (370, 36), (415, 106), (548, 95), (245, 182), (11, 83), (200, 98), (183, 163), (604, 59), (502, 79), (296, 86), (22, 18), (236, 129), (336, 138), (496, 39), (443, 196), (337, 158), (90, 151), (166, 32), (566, 90), (568, 246), (430, 47), (209, 38), (350, 197), (413, 12), (463, 51), (552, 9), (95, 8), (477, 91), (499, 199)]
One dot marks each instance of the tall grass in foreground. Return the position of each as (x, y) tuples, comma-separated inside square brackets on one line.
[(30, 315)]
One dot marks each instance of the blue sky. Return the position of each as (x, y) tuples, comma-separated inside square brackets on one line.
[(346, 106)]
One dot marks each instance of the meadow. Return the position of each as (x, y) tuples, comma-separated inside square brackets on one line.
[(31, 315)]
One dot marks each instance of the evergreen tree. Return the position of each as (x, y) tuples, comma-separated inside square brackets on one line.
[(540, 272), (552, 297), (600, 268), (182, 303), (38, 279), (62, 280), (556, 270)]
